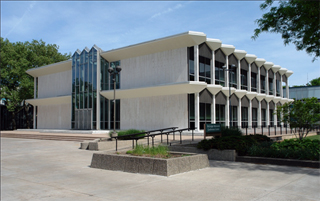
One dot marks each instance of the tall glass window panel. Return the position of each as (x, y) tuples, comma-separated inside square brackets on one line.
[(263, 84), (244, 117), (278, 87), (254, 117), (270, 86), (253, 81), (244, 79), (234, 116), (263, 118), (191, 110), (117, 114), (191, 63), (219, 73), (204, 70), (220, 114), (233, 77), (205, 114), (271, 118)]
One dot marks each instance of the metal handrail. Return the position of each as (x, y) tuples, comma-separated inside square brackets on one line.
[(155, 134)]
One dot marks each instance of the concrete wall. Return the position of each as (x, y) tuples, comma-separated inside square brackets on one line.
[(154, 112), (54, 116), (154, 69), (56, 84)]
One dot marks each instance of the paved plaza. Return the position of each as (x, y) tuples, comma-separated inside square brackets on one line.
[(58, 170)]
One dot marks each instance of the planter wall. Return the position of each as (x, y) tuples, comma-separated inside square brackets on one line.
[(146, 165)]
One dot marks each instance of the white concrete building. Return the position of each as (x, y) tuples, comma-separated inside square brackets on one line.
[(173, 81)]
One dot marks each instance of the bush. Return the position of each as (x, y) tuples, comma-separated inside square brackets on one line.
[(233, 131), (239, 143), (129, 132), (292, 149)]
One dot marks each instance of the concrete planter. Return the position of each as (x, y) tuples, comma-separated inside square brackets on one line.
[(146, 165), (213, 154)]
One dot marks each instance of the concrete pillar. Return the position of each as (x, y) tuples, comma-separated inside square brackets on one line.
[(196, 63), (259, 114), (226, 73), (267, 115), (287, 88), (35, 107), (249, 78), (98, 91), (213, 109), (258, 81), (250, 114), (281, 88), (239, 113), (267, 82), (196, 111), (274, 84), (239, 75), (212, 66), (227, 113)]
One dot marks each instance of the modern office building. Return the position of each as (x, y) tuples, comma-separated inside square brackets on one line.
[(299, 93), (178, 80)]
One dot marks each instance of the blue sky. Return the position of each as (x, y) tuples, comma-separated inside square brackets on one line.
[(76, 24)]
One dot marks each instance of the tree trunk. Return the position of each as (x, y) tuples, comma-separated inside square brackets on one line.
[(14, 127)]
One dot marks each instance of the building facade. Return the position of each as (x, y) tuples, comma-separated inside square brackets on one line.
[(182, 80)]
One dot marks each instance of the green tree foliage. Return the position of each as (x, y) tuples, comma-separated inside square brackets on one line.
[(16, 58), (297, 21), (314, 82), (301, 115)]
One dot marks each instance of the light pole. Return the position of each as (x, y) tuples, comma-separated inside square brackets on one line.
[(225, 69), (114, 72)]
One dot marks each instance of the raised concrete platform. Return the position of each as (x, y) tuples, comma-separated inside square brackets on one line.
[(148, 165)]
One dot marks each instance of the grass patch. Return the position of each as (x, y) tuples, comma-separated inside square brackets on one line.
[(129, 132), (313, 137), (157, 151)]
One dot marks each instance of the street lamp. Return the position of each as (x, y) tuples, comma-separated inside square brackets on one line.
[(230, 111), (114, 72)]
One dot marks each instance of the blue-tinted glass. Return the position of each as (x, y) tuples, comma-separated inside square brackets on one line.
[(191, 67), (202, 69), (208, 71)]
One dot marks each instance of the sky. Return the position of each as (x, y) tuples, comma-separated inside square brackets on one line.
[(75, 25)]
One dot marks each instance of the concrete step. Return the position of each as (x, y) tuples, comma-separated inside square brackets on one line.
[(48, 137)]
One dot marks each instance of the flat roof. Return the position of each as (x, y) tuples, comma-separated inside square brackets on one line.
[(51, 69), (185, 39)]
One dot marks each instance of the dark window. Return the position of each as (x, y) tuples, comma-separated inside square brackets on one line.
[(262, 84), (220, 114), (234, 116), (191, 63), (271, 117), (263, 118), (204, 70), (191, 110), (244, 79), (205, 114), (253, 81), (270, 86), (219, 73), (244, 117), (278, 87), (254, 117)]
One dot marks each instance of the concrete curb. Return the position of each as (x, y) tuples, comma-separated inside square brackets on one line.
[(278, 161)]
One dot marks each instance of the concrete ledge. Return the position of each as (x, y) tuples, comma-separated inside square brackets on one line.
[(278, 161), (213, 154), (146, 165)]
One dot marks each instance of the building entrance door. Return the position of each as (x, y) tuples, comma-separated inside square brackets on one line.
[(83, 119)]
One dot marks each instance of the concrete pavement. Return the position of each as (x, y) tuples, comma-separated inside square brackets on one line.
[(59, 170)]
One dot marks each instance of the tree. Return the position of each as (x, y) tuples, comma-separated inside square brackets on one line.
[(297, 20), (16, 58), (302, 115), (314, 82)]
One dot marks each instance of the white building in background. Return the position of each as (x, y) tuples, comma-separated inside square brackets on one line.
[(173, 81)]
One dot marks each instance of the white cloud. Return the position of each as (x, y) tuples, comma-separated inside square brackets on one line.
[(168, 10)]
